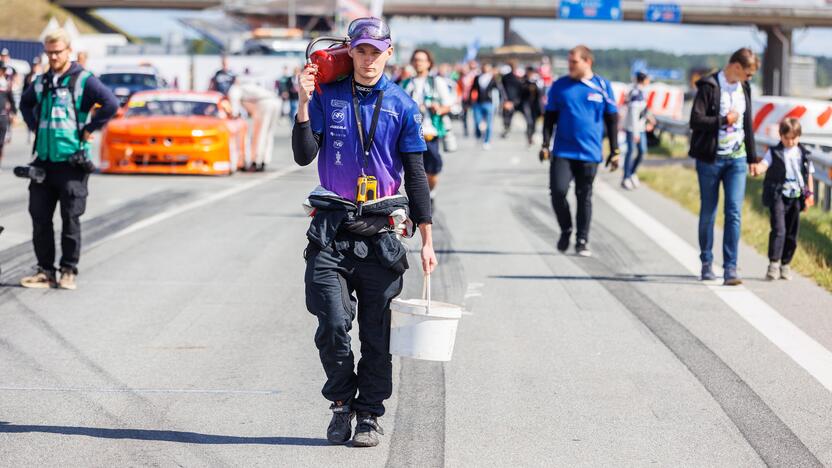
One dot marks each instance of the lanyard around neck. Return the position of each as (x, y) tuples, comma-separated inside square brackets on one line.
[(368, 143)]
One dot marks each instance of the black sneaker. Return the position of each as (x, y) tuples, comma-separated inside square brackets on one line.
[(340, 427), (367, 431), (563, 242), (581, 249)]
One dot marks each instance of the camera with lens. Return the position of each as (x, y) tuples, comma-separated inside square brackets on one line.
[(36, 174), (80, 160)]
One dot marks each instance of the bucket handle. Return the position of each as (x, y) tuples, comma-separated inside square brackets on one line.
[(426, 290)]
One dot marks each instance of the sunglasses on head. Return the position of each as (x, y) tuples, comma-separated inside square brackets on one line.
[(373, 28)]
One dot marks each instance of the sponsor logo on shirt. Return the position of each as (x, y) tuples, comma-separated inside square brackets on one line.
[(390, 111), (338, 103), (337, 127), (594, 97), (338, 159), (338, 116), (338, 144)]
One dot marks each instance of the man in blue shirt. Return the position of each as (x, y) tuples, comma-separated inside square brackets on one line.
[(360, 126), (582, 106)]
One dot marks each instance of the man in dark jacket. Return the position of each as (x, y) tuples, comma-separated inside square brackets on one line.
[(57, 107), (513, 87), (722, 143), (482, 105)]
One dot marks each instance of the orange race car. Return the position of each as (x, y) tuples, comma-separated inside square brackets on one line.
[(174, 132)]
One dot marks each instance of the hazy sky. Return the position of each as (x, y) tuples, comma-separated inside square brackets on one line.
[(550, 33)]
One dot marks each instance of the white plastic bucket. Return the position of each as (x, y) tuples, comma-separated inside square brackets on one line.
[(422, 329)]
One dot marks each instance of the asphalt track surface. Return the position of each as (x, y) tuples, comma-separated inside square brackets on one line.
[(188, 342)]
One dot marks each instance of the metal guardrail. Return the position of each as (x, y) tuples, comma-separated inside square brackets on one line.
[(821, 157)]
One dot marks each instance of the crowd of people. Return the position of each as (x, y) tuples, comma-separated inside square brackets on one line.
[(355, 259)]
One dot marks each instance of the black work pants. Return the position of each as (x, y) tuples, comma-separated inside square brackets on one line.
[(785, 224), (561, 172), (337, 278), (66, 185)]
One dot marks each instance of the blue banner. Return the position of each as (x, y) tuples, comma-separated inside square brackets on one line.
[(663, 13), (609, 10)]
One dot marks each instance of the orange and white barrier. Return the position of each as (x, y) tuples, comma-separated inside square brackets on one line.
[(663, 100), (815, 116)]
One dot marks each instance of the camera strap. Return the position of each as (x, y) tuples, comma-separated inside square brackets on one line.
[(367, 143)]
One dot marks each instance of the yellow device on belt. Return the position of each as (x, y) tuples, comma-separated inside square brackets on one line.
[(367, 189)]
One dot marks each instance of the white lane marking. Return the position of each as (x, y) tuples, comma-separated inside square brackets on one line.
[(474, 290), (802, 348), (138, 390), (158, 218)]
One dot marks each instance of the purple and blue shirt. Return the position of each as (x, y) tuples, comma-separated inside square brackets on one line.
[(341, 157)]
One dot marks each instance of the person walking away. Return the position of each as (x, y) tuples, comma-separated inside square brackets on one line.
[(8, 109), (722, 143), (465, 86), (263, 109), (512, 96), (431, 93), (366, 133), (223, 79), (582, 106), (57, 107), (786, 192), (531, 102), (636, 125), (482, 98)]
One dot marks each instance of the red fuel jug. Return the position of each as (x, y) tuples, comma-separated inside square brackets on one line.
[(333, 62)]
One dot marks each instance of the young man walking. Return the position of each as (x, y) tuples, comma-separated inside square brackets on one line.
[(722, 142), (433, 96), (57, 108), (367, 135), (582, 107)]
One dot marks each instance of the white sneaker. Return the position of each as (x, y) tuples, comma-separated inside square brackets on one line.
[(486, 146), (627, 184), (635, 181)]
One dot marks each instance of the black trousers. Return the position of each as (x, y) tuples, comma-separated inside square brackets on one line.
[(336, 279), (68, 186), (508, 116), (785, 224), (561, 172), (531, 117)]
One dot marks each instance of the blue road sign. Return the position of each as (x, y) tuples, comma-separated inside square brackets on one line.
[(609, 10), (663, 13), (665, 74)]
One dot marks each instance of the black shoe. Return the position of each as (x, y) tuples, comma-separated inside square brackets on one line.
[(340, 427), (563, 242), (367, 431), (581, 249)]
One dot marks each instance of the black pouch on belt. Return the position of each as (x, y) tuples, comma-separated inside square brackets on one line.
[(391, 252)]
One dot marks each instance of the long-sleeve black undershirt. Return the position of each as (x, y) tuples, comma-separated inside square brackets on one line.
[(550, 119), (305, 147)]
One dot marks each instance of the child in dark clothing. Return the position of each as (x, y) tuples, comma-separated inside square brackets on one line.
[(787, 192)]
